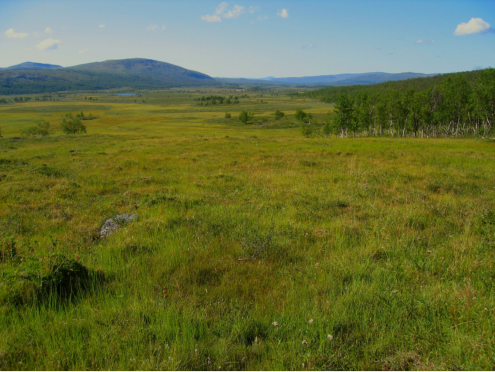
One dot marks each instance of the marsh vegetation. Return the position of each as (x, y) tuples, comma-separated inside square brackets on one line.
[(255, 247)]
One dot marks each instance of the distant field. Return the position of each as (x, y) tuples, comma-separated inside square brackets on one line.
[(254, 248), (40, 108)]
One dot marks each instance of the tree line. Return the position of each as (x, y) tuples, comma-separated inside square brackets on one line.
[(454, 107), (214, 100)]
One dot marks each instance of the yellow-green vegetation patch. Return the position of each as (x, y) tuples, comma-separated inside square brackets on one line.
[(255, 247), (25, 108)]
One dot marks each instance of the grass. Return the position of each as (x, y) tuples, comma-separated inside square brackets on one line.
[(385, 244)]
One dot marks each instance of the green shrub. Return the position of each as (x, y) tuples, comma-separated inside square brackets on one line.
[(279, 115), (303, 116), (41, 129), (73, 126), (245, 116)]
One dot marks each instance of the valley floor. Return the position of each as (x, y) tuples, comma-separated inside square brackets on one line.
[(254, 247)]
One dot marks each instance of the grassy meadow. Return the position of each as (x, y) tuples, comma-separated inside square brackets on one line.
[(255, 247)]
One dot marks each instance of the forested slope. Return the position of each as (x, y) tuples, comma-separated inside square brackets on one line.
[(443, 105)]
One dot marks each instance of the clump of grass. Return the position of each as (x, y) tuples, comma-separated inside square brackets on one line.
[(30, 280)]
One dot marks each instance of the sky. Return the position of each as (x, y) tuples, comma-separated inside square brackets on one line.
[(255, 39)]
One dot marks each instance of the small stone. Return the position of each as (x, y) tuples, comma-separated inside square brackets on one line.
[(395, 291), (305, 342), (115, 223), (275, 324), (310, 321), (330, 337)]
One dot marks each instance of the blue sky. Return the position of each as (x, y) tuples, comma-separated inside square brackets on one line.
[(245, 38)]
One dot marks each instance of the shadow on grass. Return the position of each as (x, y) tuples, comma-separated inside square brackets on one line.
[(38, 281)]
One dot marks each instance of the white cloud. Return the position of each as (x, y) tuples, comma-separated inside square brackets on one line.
[(253, 9), (11, 34), (48, 30), (234, 13), (424, 41), (36, 33), (262, 18), (211, 18), (474, 26), (48, 44), (163, 27), (221, 7), (83, 51), (284, 13), (222, 12), (101, 26)]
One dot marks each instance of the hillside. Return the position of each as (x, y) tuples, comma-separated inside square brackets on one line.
[(330, 94), (130, 73), (33, 66)]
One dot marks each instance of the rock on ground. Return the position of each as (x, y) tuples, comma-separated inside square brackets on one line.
[(115, 223)]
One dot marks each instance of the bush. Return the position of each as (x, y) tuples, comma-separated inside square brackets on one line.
[(72, 126), (279, 115), (245, 116), (303, 116), (41, 129), (228, 115)]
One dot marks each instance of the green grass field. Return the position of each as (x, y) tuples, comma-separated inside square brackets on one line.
[(255, 248)]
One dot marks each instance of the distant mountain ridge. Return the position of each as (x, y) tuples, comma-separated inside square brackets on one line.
[(135, 73), (140, 73), (33, 66), (332, 80), (141, 66)]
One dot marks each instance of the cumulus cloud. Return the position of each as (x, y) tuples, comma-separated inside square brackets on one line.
[(48, 44), (474, 26), (222, 12), (83, 51), (10, 33), (211, 18), (262, 18), (253, 9), (424, 41), (221, 7), (284, 13), (234, 13), (48, 30), (101, 26)]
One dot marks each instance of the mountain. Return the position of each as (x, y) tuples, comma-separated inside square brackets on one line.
[(140, 73), (140, 66), (33, 66), (331, 80), (136, 73)]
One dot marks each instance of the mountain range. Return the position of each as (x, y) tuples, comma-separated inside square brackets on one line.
[(139, 73), (330, 80)]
